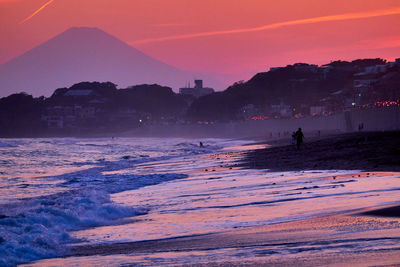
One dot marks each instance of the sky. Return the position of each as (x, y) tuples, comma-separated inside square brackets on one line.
[(237, 37)]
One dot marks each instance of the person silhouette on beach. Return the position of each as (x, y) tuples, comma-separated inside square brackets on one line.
[(299, 138), (201, 144)]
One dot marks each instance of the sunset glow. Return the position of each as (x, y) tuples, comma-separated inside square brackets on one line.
[(238, 38), (199, 133), (340, 17)]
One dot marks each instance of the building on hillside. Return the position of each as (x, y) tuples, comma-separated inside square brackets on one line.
[(197, 91), (282, 110), (69, 116), (376, 69), (305, 67), (85, 112), (342, 66), (364, 83), (353, 101), (272, 69), (53, 122), (59, 116), (317, 110), (247, 112), (325, 70), (391, 64)]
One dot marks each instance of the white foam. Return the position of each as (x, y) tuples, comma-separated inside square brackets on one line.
[(38, 228), (33, 228)]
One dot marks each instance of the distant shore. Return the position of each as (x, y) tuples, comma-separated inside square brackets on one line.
[(367, 151)]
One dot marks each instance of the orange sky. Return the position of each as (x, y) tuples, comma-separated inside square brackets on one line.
[(226, 36)]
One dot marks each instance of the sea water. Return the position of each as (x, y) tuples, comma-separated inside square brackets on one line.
[(50, 187), (59, 193)]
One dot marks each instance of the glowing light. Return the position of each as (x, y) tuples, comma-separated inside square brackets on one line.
[(260, 117), (387, 103)]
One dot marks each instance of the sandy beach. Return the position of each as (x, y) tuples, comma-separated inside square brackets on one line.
[(267, 206), (368, 151), (377, 229)]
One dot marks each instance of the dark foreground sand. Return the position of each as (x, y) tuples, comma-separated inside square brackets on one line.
[(368, 151)]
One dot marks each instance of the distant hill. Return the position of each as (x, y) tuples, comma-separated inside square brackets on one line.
[(89, 54), (89, 108), (300, 86), (158, 101)]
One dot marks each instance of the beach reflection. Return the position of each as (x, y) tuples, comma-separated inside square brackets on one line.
[(215, 199), (247, 147)]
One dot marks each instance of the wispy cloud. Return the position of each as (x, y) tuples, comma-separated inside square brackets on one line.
[(37, 11), (339, 17)]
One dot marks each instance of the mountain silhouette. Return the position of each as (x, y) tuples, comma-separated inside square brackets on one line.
[(89, 54)]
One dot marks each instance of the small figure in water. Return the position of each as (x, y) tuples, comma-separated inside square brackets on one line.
[(299, 138), (201, 144)]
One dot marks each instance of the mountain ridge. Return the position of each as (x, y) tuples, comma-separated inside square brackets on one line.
[(88, 54)]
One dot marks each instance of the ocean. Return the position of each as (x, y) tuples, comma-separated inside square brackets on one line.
[(60, 193)]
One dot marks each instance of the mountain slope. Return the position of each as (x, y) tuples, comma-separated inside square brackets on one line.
[(87, 54)]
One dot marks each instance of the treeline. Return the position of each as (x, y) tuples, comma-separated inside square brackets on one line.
[(89, 107), (299, 86)]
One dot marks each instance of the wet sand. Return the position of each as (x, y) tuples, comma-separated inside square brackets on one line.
[(312, 242), (368, 151)]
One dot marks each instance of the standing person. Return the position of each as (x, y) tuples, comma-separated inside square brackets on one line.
[(299, 138)]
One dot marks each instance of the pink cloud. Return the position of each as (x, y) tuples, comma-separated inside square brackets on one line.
[(339, 17)]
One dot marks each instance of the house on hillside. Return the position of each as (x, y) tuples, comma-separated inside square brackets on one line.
[(341, 66), (247, 112), (272, 69), (54, 122), (364, 83), (305, 67), (69, 116), (59, 117), (376, 69), (281, 110), (317, 110)]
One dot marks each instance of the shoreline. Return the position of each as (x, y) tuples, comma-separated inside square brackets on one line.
[(312, 239), (365, 151), (374, 224), (318, 232)]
